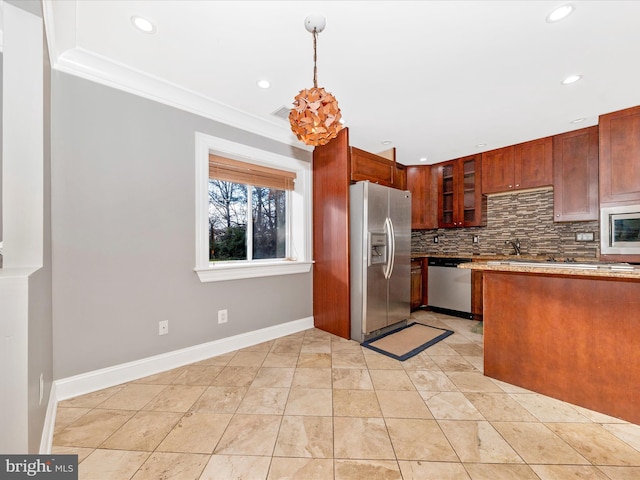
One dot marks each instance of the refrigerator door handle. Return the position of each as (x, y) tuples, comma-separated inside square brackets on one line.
[(391, 242)]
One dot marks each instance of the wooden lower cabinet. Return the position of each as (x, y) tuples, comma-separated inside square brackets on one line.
[(476, 294), (574, 338), (418, 283)]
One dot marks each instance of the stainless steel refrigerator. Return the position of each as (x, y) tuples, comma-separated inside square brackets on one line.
[(380, 236)]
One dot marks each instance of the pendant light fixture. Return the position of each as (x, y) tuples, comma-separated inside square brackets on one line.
[(315, 116)]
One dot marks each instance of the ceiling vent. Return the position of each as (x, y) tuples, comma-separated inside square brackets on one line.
[(282, 113)]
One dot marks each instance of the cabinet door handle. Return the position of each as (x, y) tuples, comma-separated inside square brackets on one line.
[(510, 186), (557, 214), (517, 184)]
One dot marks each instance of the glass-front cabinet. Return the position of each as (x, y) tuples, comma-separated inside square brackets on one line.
[(460, 201)]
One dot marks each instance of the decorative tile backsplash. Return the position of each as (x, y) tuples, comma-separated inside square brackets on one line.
[(525, 216)]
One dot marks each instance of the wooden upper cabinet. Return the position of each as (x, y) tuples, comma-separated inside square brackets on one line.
[(575, 175), (460, 201), (533, 163), (497, 166), (517, 167), (368, 166), (400, 179), (620, 156), (420, 183)]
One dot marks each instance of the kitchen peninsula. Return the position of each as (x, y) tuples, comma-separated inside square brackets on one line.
[(569, 333)]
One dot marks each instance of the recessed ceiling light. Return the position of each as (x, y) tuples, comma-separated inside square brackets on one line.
[(386, 142), (423, 159), (578, 120), (560, 13), (571, 79), (481, 145), (264, 83), (143, 24)]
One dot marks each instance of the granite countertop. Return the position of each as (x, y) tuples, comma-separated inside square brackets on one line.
[(599, 270), (495, 256)]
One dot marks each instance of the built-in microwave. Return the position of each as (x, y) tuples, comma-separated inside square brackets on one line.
[(620, 230)]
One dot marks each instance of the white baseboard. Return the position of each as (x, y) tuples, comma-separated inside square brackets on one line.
[(108, 377), (46, 440)]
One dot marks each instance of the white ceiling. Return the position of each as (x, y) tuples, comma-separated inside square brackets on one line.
[(436, 78)]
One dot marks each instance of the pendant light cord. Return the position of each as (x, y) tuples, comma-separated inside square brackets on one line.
[(315, 59)]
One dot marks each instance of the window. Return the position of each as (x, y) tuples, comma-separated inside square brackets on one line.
[(248, 210), (253, 212)]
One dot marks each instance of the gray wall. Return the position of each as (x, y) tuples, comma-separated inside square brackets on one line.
[(1, 73), (40, 291), (527, 216), (123, 196)]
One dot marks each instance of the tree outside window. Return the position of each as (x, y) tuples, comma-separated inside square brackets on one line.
[(231, 237)]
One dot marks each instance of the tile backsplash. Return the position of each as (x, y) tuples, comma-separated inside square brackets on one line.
[(526, 216)]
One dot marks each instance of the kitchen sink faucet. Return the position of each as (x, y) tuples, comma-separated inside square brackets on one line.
[(515, 245)]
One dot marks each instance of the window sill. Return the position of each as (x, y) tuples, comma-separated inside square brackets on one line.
[(222, 272)]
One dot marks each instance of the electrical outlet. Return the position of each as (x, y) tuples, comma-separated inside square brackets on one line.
[(222, 316), (584, 237), (163, 327), (435, 239), (476, 239)]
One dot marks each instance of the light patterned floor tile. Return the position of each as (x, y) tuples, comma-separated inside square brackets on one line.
[(132, 396), (310, 401), (356, 403), (409, 440), (596, 444), (305, 436), (199, 375), (487, 471), (413, 470), (367, 469), (144, 431), (351, 379), (236, 467), (361, 438), (313, 405), (235, 376), (564, 472), (196, 433), (175, 398), (478, 442), (536, 444), (312, 378), (499, 407), (92, 429), (111, 464), (250, 435), (220, 400), (283, 468), (402, 404), (391, 380), (172, 466), (450, 406)]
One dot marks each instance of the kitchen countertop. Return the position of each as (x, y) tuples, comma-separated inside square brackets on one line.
[(495, 256), (560, 268)]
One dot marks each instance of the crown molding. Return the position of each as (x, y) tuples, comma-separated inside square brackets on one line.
[(87, 65), (67, 57)]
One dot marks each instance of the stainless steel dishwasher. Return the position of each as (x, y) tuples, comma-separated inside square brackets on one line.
[(449, 287)]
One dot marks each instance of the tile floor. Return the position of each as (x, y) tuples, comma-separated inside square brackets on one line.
[(315, 406)]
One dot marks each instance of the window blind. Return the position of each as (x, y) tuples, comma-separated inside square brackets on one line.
[(221, 168)]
